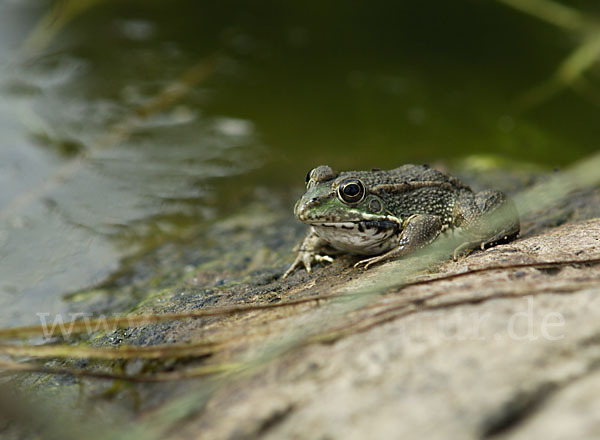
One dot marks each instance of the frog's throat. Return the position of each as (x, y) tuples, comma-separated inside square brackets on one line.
[(366, 237)]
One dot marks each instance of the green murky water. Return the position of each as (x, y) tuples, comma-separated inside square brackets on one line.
[(104, 153)]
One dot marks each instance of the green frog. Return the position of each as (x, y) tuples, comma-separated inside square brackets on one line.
[(388, 214)]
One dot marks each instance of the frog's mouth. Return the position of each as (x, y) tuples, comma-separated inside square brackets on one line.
[(367, 237)]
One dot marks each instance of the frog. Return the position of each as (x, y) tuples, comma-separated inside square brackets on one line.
[(388, 214)]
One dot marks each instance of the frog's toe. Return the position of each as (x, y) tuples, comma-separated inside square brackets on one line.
[(307, 265), (323, 259), (468, 246), (292, 268), (462, 249), (367, 262), (298, 263)]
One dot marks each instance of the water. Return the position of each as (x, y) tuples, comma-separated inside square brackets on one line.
[(97, 162)]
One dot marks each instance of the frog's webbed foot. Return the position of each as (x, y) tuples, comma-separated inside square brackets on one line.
[(306, 258), (417, 231), (307, 254)]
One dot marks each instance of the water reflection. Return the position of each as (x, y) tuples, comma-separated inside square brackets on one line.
[(125, 119), (76, 169)]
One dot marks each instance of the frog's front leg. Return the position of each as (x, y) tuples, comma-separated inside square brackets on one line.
[(308, 253), (418, 231), (484, 219)]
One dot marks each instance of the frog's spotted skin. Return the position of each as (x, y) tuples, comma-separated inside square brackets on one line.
[(391, 213)]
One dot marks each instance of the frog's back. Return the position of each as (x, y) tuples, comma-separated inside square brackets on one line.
[(424, 173), (404, 174)]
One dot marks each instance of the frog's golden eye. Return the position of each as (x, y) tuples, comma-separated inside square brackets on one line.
[(351, 191)]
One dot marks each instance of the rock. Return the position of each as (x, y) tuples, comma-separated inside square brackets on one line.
[(506, 353)]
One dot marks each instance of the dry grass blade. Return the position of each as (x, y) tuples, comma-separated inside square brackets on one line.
[(569, 74), (121, 353), (116, 322), (537, 265), (61, 14), (580, 60), (205, 370)]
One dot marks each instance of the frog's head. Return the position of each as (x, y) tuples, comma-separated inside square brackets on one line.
[(331, 198), (343, 211)]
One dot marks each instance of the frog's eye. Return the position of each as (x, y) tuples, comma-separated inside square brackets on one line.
[(351, 191)]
